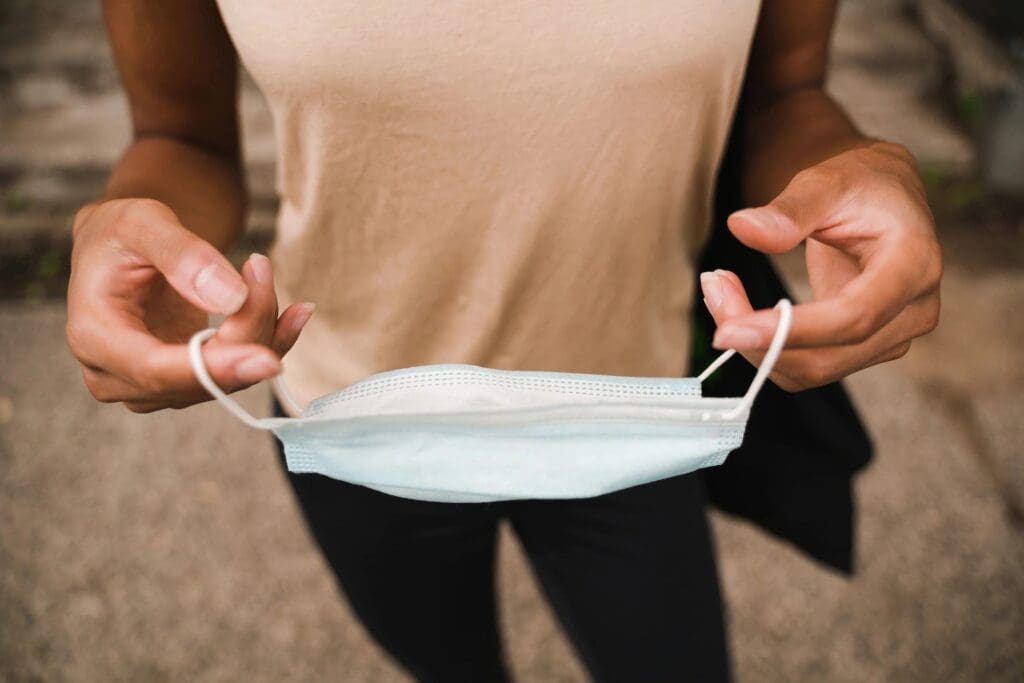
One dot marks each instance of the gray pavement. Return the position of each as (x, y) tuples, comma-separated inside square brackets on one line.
[(166, 547)]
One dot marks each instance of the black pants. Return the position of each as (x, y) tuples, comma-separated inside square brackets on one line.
[(631, 576)]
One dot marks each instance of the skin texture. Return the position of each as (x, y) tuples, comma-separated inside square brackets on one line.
[(147, 265), (873, 259)]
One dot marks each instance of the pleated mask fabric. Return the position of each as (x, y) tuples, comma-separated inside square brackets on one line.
[(462, 433)]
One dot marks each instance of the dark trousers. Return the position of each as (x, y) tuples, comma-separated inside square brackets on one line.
[(631, 576)]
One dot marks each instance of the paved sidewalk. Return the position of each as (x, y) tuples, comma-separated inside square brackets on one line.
[(166, 547)]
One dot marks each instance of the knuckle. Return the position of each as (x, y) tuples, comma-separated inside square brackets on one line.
[(140, 408), (136, 213), (931, 318), (181, 404), (823, 176), (97, 392), (102, 388), (150, 385), (815, 373), (75, 335), (148, 378), (800, 383), (860, 326), (889, 191), (97, 388), (81, 218), (140, 209), (863, 328), (803, 385), (896, 160), (935, 267), (787, 384), (895, 151)]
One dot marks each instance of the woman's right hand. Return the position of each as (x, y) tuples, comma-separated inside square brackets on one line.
[(142, 284)]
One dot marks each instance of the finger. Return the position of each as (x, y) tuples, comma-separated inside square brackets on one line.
[(800, 369), (290, 325), (106, 339), (804, 368), (255, 320), (726, 298), (897, 273), (159, 369), (806, 204), (167, 372), (107, 388), (145, 406), (891, 354), (849, 318), (195, 269)]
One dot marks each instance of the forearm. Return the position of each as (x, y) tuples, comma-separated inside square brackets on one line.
[(206, 190), (791, 133)]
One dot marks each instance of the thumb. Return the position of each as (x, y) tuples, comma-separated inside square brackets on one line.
[(804, 206), (192, 266)]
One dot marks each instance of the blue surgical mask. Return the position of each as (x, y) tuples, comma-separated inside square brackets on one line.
[(461, 433)]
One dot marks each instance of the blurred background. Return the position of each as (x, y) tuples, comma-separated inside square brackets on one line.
[(166, 547)]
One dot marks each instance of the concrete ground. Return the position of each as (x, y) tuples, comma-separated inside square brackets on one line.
[(166, 547)]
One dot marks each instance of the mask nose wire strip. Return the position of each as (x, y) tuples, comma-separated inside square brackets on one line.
[(195, 357)]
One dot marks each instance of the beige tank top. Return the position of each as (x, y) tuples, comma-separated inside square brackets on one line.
[(520, 184)]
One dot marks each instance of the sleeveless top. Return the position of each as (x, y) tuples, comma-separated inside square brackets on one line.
[(519, 185)]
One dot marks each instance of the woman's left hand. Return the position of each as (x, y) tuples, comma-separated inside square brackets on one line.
[(873, 262)]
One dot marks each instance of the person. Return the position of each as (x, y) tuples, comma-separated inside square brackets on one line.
[(519, 185)]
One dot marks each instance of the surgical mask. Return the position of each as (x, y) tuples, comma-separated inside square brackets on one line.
[(461, 433)]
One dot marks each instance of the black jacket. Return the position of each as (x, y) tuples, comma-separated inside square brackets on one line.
[(793, 475)]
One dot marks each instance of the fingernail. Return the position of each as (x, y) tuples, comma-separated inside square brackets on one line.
[(261, 269), (302, 317), (711, 286), (738, 338), (256, 368), (754, 217), (220, 288)]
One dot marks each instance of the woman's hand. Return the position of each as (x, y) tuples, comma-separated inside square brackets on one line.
[(873, 261), (142, 284)]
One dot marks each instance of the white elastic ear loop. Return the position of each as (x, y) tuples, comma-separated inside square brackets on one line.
[(767, 363), (285, 396), (715, 364), (195, 357)]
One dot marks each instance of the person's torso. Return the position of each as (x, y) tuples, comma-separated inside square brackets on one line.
[(519, 185)]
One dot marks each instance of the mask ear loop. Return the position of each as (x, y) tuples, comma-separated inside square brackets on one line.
[(767, 363), (285, 395), (195, 357)]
